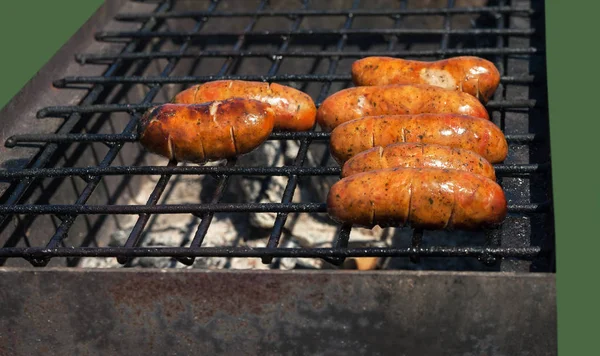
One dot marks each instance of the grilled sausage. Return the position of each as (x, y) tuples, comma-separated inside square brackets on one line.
[(471, 133), (418, 155), (206, 132), (473, 75), (357, 102), (294, 110), (427, 198)]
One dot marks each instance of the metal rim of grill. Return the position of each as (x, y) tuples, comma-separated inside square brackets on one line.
[(25, 179)]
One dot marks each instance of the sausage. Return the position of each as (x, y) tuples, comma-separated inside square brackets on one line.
[(470, 133), (425, 198), (418, 155), (294, 110), (406, 99), (473, 75), (206, 132)]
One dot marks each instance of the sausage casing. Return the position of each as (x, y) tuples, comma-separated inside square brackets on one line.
[(418, 155), (470, 133), (206, 132), (403, 99), (473, 75), (294, 110), (427, 198)]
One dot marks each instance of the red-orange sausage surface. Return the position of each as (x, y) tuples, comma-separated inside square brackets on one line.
[(206, 132), (294, 110), (408, 99), (427, 198), (473, 75), (418, 155), (470, 133)]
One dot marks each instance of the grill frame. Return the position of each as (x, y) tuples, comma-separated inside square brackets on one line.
[(92, 176), (58, 310)]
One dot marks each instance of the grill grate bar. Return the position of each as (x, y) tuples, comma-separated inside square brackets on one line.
[(110, 36), (112, 138), (290, 187), (57, 111), (466, 251), (354, 12), (219, 170), (223, 180), (62, 83), (494, 237), (47, 153), (73, 210), (92, 58)]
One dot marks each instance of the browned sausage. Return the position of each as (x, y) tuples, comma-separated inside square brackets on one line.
[(473, 75), (353, 103), (418, 155), (471, 133), (206, 132), (294, 110), (426, 198)]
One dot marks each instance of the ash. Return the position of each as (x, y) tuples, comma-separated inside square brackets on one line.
[(253, 229)]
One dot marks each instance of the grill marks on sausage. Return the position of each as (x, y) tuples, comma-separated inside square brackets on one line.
[(459, 131), (428, 198), (206, 132), (232, 134), (295, 110)]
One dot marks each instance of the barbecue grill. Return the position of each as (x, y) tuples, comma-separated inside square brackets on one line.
[(78, 191)]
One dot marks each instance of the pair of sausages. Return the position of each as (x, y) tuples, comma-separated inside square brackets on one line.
[(426, 186), (223, 119)]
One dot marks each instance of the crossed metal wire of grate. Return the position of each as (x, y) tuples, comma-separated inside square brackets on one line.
[(314, 59)]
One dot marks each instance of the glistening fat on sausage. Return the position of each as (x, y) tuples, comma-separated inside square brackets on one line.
[(294, 110), (418, 155), (402, 99), (470, 133), (472, 75), (426, 198), (206, 132)]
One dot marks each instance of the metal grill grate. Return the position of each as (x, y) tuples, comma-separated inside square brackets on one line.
[(243, 40)]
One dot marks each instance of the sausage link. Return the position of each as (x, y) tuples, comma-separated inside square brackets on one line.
[(418, 155), (206, 132), (470, 133), (426, 198), (473, 75), (294, 110), (408, 99)]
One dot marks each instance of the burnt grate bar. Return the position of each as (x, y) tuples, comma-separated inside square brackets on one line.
[(339, 45), (100, 58), (351, 12)]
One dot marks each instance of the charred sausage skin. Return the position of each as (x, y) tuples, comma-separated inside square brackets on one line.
[(401, 99), (294, 110), (473, 75), (470, 133), (211, 131), (426, 198), (418, 155)]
